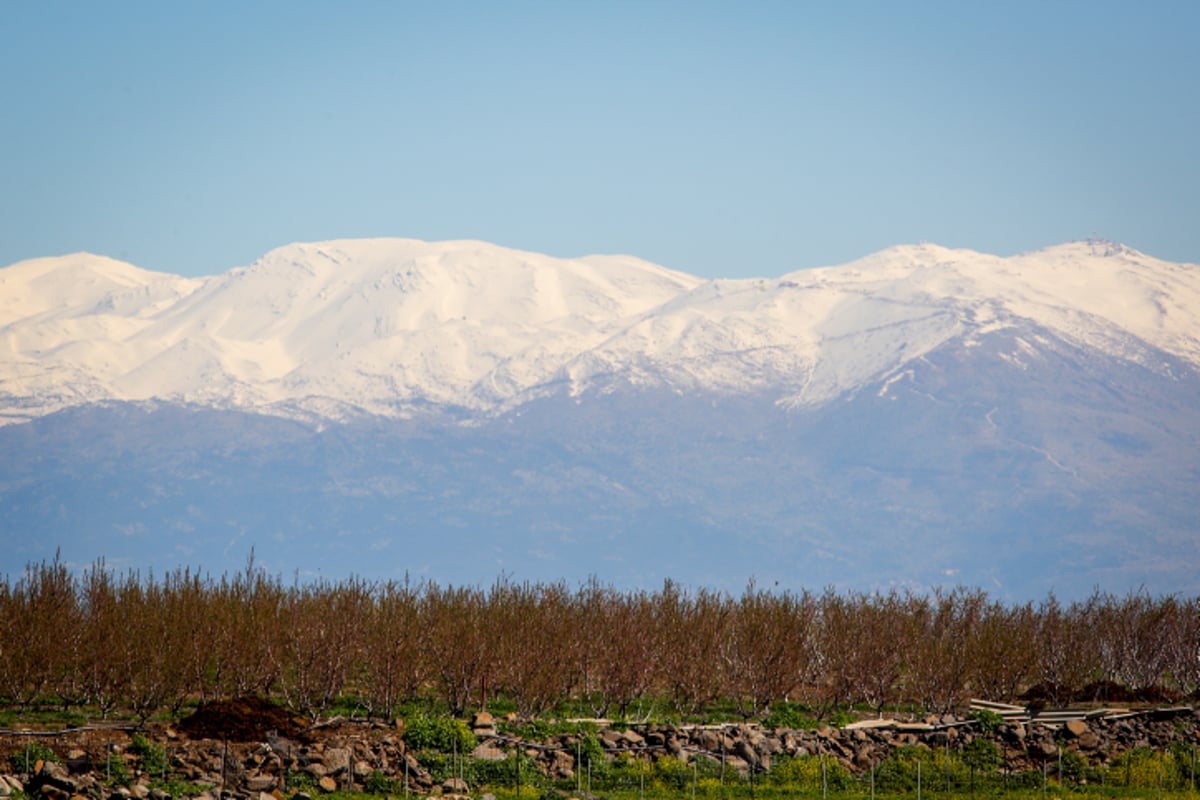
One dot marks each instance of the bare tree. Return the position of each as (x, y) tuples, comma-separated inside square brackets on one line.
[(531, 643), (862, 638), (767, 648), (1129, 631), (1183, 646), (1003, 652), (690, 631), (457, 653), (317, 642), (617, 647), (105, 641), (394, 639), (38, 634), (1066, 659), (942, 629)]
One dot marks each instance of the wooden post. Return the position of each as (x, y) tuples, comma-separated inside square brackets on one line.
[(947, 753), (723, 758)]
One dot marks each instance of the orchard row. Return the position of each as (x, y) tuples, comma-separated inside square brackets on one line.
[(122, 642)]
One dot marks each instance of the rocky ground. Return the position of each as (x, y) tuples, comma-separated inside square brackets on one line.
[(252, 749)]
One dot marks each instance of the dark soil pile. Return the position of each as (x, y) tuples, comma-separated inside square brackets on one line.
[(244, 719)]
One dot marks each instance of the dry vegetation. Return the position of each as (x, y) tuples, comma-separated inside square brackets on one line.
[(144, 646)]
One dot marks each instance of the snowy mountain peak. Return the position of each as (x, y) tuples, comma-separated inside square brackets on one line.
[(78, 281), (387, 326)]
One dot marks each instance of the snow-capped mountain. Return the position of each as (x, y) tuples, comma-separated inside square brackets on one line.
[(374, 325), (457, 410), (393, 326)]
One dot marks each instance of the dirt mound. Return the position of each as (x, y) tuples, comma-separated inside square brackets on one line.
[(1047, 695), (244, 719)]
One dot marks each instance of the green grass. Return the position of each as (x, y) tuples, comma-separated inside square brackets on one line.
[(706, 790)]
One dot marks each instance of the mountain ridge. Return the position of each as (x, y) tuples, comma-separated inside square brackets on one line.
[(389, 326), (920, 416)]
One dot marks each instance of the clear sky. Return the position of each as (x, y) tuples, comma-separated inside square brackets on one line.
[(725, 139)]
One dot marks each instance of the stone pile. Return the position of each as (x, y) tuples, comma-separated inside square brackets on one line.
[(357, 755)]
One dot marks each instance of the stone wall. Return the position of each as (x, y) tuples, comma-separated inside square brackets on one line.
[(346, 755)]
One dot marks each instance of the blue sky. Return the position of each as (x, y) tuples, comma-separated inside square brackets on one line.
[(723, 139)]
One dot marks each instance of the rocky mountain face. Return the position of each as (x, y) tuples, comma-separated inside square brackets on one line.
[(457, 410)]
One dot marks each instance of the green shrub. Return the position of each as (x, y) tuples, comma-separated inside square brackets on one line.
[(840, 718), (623, 772), (898, 773), (115, 771), (804, 772), (537, 730), (790, 715), (379, 783), (440, 766), (178, 788), (672, 773), (988, 721), (1144, 768), (439, 734), (517, 768), (589, 749), (296, 781), (982, 755), (25, 759), (151, 757)]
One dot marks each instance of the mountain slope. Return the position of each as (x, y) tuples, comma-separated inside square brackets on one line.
[(820, 333), (376, 324), (1060, 471), (395, 326), (456, 410)]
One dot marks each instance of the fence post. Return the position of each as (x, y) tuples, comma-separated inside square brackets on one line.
[(723, 758), (947, 764), (918, 780)]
